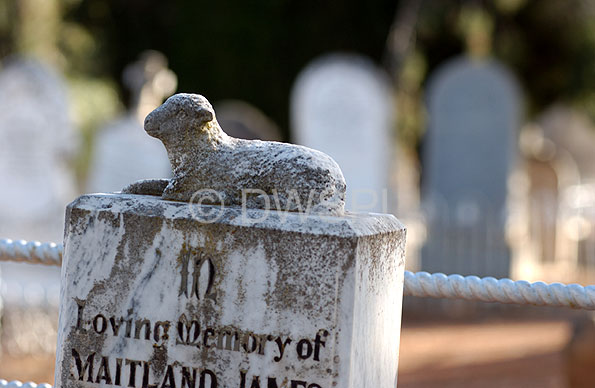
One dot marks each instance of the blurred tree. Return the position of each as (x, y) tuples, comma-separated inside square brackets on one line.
[(550, 45), (253, 50), (250, 50), (36, 28)]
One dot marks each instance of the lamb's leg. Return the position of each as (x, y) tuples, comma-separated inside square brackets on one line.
[(147, 187)]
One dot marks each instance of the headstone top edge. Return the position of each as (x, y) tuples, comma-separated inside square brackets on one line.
[(343, 58), (38, 72), (460, 64), (346, 60), (347, 225)]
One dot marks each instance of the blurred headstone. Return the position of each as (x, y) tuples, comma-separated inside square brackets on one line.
[(36, 141), (568, 145), (36, 138), (474, 111), (242, 120), (572, 134), (123, 153), (343, 105), (534, 227)]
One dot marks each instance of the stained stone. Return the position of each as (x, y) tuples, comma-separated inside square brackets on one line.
[(159, 293), (211, 167), (162, 291)]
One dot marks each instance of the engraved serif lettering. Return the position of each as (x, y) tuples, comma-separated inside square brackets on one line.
[(197, 273)]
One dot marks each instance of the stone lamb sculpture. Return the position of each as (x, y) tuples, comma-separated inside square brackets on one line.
[(206, 161)]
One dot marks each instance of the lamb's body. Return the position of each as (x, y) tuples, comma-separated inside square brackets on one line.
[(211, 167)]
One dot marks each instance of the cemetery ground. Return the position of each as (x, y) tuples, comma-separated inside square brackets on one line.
[(505, 352)]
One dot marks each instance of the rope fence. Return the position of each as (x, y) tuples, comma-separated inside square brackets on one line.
[(18, 384), (420, 284), (32, 252), (488, 289)]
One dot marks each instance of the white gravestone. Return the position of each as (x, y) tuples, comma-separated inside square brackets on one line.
[(37, 140), (122, 152), (474, 111), (160, 293), (343, 106)]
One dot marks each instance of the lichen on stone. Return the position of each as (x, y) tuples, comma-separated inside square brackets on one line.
[(210, 167)]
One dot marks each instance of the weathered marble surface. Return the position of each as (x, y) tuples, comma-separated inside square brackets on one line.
[(279, 299), (211, 167)]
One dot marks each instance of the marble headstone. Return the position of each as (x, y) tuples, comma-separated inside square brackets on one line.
[(160, 293), (37, 140), (474, 111), (568, 149), (343, 106), (245, 121), (122, 152)]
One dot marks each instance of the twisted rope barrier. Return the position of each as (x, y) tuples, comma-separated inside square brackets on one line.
[(32, 252), (420, 284), (489, 289), (18, 384)]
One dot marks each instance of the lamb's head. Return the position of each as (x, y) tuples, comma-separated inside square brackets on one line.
[(180, 117)]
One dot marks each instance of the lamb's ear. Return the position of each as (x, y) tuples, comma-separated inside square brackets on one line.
[(201, 117), (205, 116)]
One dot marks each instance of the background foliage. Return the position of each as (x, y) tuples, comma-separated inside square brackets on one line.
[(253, 50)]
